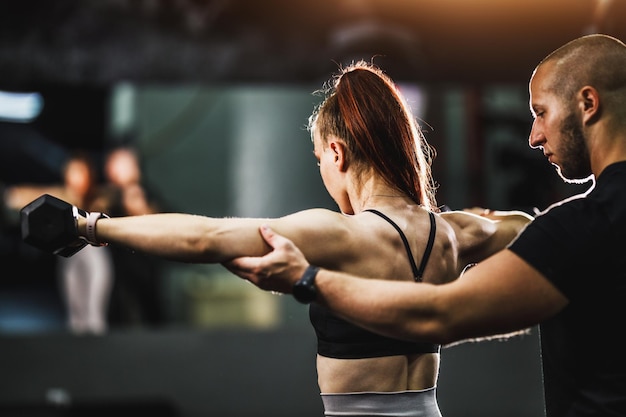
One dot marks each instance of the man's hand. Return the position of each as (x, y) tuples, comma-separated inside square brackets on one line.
[(276, 271)]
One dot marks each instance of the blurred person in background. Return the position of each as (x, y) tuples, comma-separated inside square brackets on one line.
[(86, 278), (136, 298)]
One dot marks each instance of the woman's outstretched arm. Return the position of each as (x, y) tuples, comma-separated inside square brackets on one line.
[(200, 239)]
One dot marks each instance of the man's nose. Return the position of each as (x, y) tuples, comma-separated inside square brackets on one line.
[(536, 137)]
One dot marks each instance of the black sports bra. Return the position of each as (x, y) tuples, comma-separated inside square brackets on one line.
[(417, 272), (337, 338)]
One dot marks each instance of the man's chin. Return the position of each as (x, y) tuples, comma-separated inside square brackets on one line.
[(581, 180), (573, 179)]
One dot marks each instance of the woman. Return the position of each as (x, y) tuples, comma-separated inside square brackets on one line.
[(375, 164), (87, 277)]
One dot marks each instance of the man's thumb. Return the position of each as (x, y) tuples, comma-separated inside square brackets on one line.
[(268, 235)]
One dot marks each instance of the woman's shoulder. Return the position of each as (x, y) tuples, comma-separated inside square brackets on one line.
[(469, 227), (480, 232)]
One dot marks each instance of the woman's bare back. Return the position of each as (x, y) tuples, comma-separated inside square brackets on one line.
[(460, 238)]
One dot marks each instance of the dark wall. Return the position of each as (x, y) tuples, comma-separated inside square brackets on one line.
[(106, 41)]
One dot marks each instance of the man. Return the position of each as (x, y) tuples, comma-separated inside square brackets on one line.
[(566, 271)]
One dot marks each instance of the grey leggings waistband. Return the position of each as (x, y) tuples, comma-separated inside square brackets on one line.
[(422, 403)]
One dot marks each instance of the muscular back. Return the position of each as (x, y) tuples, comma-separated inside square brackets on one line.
[(461, 238)]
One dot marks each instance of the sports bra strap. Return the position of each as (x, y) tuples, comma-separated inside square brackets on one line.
[(429, 246), (417, 272)]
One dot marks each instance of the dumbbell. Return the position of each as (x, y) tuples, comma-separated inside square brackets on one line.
[(49, 224)]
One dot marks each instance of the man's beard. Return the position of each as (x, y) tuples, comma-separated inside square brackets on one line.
[(575, 166)]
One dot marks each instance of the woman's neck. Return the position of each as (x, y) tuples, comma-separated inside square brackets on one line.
[(376, 195)]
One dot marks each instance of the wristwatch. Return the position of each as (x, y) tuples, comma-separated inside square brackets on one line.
[(304, 289), (90, 230)]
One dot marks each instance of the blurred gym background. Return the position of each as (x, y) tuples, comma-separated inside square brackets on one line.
[(214, 96)]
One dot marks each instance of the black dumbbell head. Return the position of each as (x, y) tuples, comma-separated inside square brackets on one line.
[(49, 224)]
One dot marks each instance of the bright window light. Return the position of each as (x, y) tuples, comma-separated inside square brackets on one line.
[(20, 107)]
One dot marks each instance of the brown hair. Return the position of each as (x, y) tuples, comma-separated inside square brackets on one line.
[(364, 107)]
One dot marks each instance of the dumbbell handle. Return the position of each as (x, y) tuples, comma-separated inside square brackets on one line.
[(77, 244), (82, 241)]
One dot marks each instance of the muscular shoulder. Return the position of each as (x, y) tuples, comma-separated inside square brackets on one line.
[(470, 229), (313, 224), (479, 237), (322, 235)]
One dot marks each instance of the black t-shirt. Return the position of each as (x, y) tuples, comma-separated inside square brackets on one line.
[(580, 246)]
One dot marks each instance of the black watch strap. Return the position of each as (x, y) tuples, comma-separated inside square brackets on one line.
[(304, 289)]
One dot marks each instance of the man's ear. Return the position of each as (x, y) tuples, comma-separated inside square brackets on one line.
[(589, 104), (339, 154)]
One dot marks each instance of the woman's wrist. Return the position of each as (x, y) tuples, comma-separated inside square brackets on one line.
[(87, 227), (90, 228)]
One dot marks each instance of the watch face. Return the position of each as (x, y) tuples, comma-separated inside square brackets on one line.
[(304, 293), (304, 289)]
